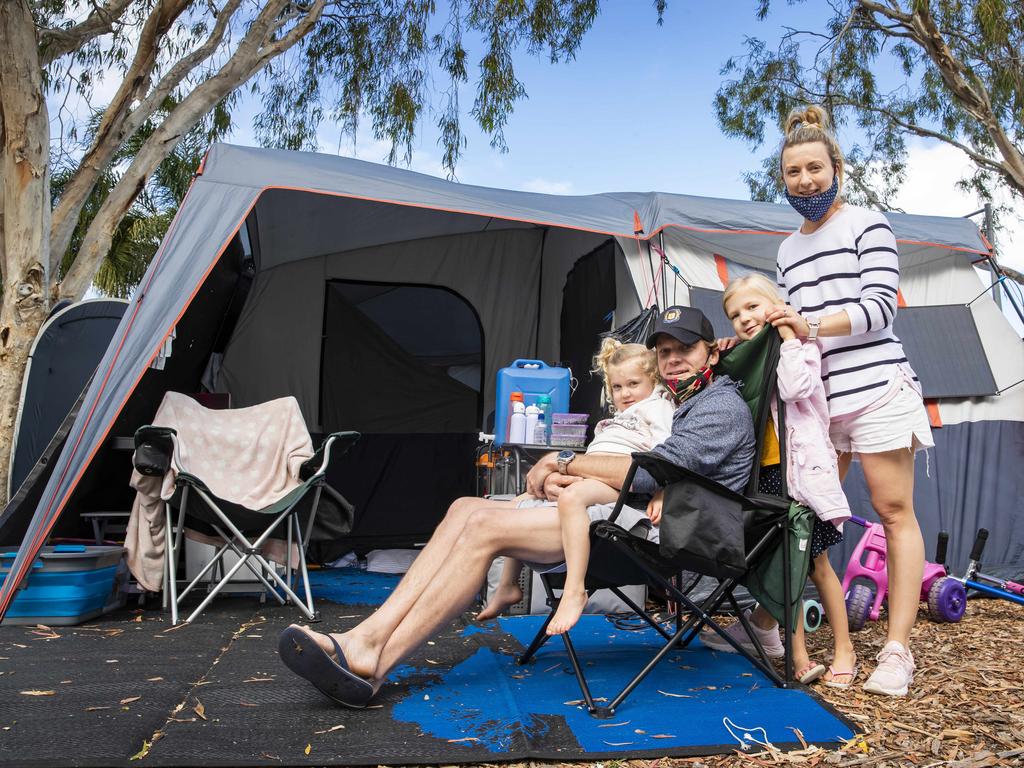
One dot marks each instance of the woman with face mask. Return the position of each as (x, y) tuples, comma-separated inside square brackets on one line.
[(840, 275)]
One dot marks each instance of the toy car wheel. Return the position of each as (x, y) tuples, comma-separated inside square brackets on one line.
[(858, 606), (813, 614), (947, 600)]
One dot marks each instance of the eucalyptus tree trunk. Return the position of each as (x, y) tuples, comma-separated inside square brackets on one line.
[(24, 210)]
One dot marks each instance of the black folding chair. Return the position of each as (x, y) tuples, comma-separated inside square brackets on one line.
[(751, 543)]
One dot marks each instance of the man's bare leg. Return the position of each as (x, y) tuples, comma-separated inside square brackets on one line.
[(575, 528), (363, 643), (531, 534)]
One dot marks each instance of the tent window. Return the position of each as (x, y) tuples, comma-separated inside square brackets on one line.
[(400, 359)]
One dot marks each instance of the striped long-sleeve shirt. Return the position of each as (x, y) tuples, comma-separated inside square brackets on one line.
[(850, 264)]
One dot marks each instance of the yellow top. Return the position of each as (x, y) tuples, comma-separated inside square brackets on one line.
[(770, 453)]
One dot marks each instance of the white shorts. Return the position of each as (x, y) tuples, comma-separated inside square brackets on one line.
[(902, 422)]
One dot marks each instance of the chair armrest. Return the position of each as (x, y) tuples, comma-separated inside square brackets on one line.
[(154, 450), (334, 445)]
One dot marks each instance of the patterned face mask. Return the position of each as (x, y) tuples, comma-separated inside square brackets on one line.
[(814, 207), (684, 389)]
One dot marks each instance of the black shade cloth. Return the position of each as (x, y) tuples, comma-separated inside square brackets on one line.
[(935, 337)]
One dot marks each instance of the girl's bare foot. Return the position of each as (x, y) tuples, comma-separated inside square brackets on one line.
[(570, 607), (504, 596), (360, 658)]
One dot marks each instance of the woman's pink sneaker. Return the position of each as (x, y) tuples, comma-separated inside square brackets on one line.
[(895, 671)]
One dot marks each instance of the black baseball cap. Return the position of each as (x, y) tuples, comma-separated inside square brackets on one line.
[(687, 324)]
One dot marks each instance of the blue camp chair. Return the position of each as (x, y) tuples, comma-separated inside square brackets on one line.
[(706, 529), (241, 530)]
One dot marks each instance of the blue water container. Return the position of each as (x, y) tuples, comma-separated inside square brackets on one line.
[(533, 378)]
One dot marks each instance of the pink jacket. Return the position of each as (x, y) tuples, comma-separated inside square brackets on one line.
[(812, 470)]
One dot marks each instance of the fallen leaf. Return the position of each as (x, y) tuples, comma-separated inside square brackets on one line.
[(175, 628), (663, 736), (138, 619), (130, 699), (618, 743), (431, 661), (247, 704), (259, 680), (94, 709), (153, 679), (467, 738), (38, 693), (199, 709), (328, 730), (308, 749), (65, 682), (142, 752), (268, 756), (613, 725), (675, 695), (112, 661)]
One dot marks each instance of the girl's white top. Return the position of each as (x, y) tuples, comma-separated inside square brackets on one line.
[(640, 427), (849, 264)]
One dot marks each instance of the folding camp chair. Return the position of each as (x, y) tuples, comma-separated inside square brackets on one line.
[(243, 531), (751, 542)]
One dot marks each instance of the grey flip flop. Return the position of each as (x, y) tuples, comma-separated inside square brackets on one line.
[(301, 653)]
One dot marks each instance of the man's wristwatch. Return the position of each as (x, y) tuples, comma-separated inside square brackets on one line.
[(813, 323), (564, 459)]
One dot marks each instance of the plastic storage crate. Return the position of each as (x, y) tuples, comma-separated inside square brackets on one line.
[(68, 584)]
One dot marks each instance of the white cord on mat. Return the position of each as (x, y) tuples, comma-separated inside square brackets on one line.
[(747, 735)]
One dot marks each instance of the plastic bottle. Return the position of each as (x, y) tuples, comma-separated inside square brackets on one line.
[(532, 412), (544, 403), (513, 398), (540, 431), (517, 424)]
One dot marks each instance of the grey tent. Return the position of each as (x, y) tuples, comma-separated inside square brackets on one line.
[(63, 357), (322, 277)]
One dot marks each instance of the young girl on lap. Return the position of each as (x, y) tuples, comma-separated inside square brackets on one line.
[(641, 419), (812, 471)]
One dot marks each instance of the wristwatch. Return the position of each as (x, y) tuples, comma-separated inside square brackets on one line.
[(564, 459), (813, 323)]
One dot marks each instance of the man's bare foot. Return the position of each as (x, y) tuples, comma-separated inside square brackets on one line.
[(570, 607), (361, 660), (504, 596)]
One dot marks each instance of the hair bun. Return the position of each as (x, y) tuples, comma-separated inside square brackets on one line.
[(810, 116)]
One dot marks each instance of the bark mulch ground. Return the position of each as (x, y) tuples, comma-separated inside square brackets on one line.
[(965, 709)]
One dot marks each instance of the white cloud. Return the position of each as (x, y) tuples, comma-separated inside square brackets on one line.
[(547, 186), (930, 188)]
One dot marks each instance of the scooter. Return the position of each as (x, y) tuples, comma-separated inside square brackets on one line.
[(989, 585), (945, 594)]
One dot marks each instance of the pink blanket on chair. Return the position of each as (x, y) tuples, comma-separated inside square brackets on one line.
[(249, 456)]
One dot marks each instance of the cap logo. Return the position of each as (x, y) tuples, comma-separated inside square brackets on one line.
[(671, 315)]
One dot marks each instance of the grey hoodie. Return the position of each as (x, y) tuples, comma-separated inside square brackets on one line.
[(712, 434)]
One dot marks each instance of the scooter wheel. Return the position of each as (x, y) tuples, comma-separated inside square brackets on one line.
[(813, 614), (947, 600), (858, 606)]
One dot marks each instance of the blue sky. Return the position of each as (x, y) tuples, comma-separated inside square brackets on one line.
[(633, 112)]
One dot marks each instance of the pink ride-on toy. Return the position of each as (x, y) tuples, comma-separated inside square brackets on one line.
[(946, 596)]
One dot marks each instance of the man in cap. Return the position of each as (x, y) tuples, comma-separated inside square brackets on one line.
[(712, 434)]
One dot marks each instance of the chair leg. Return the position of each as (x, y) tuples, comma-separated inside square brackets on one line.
[(172, 577), (542, 635), (302, 563)]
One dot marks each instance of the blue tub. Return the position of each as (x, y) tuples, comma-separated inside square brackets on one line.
[(533, 378), (68, 584)]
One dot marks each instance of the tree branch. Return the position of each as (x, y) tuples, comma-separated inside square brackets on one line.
[(112, 130), (56, 42), (252, 52)]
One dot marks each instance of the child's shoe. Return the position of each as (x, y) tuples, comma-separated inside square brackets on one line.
[(769, 639), (895, 671)]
